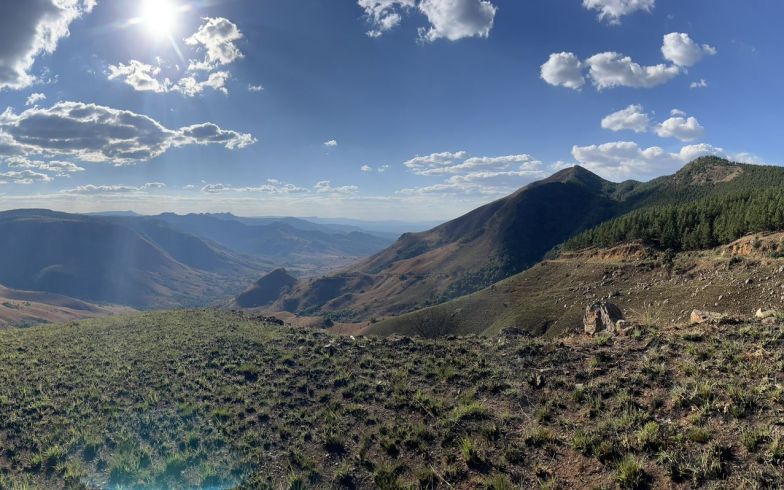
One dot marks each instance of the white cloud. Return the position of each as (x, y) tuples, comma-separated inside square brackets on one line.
[(633, 118), (217, 36), (613, 10), (563, 69), (679, 48), (473, 175), (684, 129), (457, 19), (140, 76), (677, 112), (331, 143), (621, 160), (114, 189), (24, 177), (702, 83), (28, 29), (145, 78), (380, 169), (610, 69), (190, 87), (255, 88), (625, 159), (326, 187), (95, 133), (272, 186), (35, 98), (449, 19), (57, 167)]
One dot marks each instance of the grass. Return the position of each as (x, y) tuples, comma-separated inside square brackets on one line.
[(197, 399)]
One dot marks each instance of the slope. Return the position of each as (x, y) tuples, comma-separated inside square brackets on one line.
[(26, 308), (114, 260), (649, 286)]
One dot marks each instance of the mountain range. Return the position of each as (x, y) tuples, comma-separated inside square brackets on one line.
[(506, 237), (167, 260)]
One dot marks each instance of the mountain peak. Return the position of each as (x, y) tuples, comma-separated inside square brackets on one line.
[(577, 175), (708, 170)]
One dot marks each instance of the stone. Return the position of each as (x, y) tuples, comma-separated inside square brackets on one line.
[(601, 317), (763, 314), (702, 316)]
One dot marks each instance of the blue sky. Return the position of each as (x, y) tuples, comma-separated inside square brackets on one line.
[(375, 109)]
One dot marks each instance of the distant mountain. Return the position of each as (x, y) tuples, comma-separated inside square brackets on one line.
[(130, 261), (289, 242), (505, 237)]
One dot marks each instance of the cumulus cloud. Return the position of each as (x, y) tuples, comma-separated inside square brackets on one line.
[(331, 143), (684, 129), (633, 118), (457, 19), (217, 36), (30, 28), (94, 133), (613, 10), (326, 187), (679, 48), (702, 83), (563, 69), (35, 98), (114, 189), (611, 69), (189, 86), (146, 78), (449, 19), (140, 76), (57, 167), (366, 168), (255, 88), (24, 177), (625, 159)]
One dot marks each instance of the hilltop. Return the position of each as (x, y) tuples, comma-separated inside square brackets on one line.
[(215, 399)]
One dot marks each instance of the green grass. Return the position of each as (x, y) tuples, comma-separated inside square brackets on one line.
[(207, 399)]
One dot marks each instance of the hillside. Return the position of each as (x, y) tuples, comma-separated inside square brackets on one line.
[(114, 260), (266, 289), (648, 285), (294, 243), (507, 236), (26, 308), (216, 400)]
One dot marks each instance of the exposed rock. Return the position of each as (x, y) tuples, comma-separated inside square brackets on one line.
[(701, 316), (601, 317), (763, 314)]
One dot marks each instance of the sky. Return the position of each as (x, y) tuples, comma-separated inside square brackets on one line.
[(372, 109)]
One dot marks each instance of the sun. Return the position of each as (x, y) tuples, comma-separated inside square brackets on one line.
[(160, 17)]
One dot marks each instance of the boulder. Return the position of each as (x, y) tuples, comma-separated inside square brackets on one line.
[(763, 314), (601, 317), (700, 316)]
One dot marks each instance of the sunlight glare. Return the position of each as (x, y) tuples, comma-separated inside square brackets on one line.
[(160, 16)]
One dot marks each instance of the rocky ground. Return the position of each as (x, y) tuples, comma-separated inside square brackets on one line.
[(211, 399)]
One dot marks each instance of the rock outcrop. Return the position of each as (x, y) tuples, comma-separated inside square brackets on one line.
[(602, 317)]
